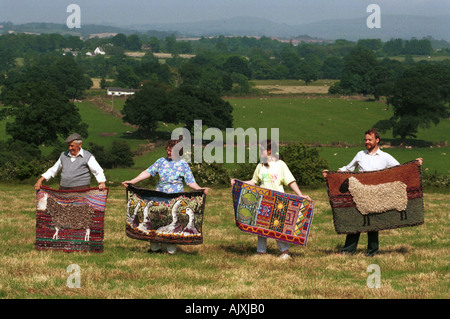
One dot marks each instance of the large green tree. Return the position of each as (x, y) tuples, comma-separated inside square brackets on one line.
[(182, 105), (62, 72), (69, 77), (237, 64), (358, 71), (189, 103), (418, 100), (145, 108), (41, 114), (332, 67)]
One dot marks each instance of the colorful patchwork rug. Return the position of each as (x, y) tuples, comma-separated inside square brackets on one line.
[(70, 220), (373, 201), (272, 214), (175, 218)]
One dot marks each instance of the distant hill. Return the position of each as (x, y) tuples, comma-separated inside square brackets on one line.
[(392, 26), (85, 31), (238, 26)]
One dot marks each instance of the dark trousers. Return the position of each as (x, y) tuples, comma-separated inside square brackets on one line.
[(351, 241)]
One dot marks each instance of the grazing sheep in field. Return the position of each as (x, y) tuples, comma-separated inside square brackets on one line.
[(373, 199), (68, 216)]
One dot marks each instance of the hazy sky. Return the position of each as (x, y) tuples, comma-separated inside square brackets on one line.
[(127, 12)]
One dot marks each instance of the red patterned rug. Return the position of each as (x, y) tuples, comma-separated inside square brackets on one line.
[(70, 220)]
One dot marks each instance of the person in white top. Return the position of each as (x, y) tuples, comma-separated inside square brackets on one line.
[(273, 173), (75, 166), (371, 159)]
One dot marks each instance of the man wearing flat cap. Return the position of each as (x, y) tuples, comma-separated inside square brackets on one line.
[(75, 166)]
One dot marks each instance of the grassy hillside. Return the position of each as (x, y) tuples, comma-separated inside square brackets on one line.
[(322, 120), (308, 119)]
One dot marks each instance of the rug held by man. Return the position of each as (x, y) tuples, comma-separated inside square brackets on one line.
[(70, 220), (373, 201), (175, 218), (272, 214)]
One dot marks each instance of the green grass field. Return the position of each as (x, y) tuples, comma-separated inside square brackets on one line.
[(104, 128), (328, 121), (413, 261), (306, 119), (322, 120)]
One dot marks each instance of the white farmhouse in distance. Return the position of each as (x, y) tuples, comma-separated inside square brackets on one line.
[(116, 91), (99, 50)]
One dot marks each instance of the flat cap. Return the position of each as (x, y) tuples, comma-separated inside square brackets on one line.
[(73, 137)]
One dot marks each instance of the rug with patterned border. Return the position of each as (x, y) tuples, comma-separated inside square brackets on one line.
[(175, 218), (272, 214), (378, 200), (70, 220)]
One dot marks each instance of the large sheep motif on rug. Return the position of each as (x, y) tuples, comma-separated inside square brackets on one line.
[(70, 220), (175, 218), (272, 214), (373, 201)]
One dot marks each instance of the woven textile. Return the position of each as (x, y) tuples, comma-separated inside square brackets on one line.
[(272, 214), (170, 218), (373, 201), (70, 220)]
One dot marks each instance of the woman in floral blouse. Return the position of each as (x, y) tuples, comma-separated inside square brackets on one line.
[(171, 174)]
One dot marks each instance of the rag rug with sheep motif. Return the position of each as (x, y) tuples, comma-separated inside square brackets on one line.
[(70, 220), (377, 200), (272, 214), (168, 218)]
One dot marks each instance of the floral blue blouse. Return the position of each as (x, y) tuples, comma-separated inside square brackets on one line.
[(171, 174)]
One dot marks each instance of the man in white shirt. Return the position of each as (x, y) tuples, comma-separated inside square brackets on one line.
[(75, 166), (371, 159)]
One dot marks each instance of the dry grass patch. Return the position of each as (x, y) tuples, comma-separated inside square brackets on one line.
[(413, 261), (280, 89)]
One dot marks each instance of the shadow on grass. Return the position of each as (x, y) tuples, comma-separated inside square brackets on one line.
[(144, 248), (407, 142), (250, 250), (362, 251), (241, 250)]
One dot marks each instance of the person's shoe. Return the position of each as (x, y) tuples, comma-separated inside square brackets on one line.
[(344, 253), (371, 254), (155, 248), (285, 256)]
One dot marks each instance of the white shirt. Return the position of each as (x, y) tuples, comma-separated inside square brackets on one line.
[(93, 165), (367, 162)]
